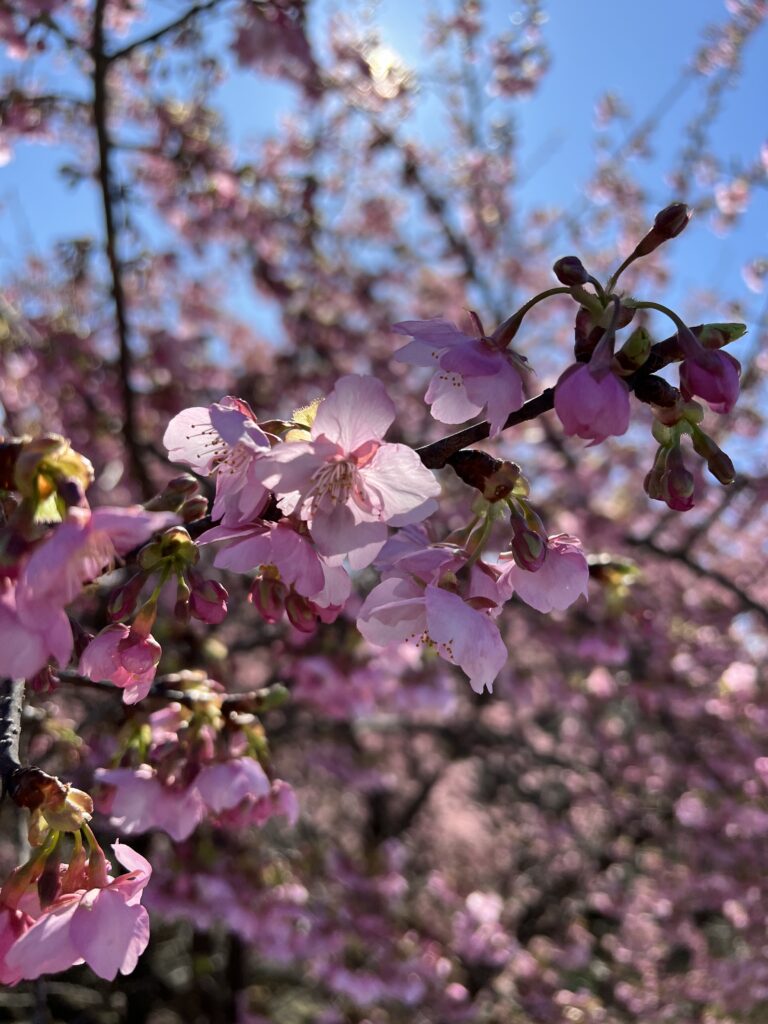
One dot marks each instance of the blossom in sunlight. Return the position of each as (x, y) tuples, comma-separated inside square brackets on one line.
[(472, 373), (592, 404), (124, 658), (103, 925), (346, 483), (224, 439), (412, 604), (557, 583)]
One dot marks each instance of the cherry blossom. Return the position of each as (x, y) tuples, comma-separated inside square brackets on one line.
[(347, 483), (557, 583), (104, 926), (411, 605), (224, 439), (473, 373), (124, 658)]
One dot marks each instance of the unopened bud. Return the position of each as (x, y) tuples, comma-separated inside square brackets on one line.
[(672, 220), (570, 271), (300, 612), (268, 596), (718, 463), (529, 544), (668, 224), (122, 601), (173, 494), (208, 600), (194, 509), (719, 335), (635, 350), (678, 482)]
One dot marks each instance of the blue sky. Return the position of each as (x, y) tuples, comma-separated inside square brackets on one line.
[(636, 50)]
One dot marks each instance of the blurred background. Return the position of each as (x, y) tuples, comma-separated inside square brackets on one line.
[(240, 197)]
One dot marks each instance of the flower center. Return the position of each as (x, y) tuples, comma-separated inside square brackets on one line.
[(335, 480)]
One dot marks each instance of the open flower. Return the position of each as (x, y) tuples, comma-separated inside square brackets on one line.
[(346, 482), (418, 603), (473, 373), (557, 583), (224, 439), (79, 550), (105, 926)]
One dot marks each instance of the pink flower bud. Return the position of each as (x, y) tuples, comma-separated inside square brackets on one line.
[(208, 600), (713, 376), (570, 271), (268, 596), (300, 612)]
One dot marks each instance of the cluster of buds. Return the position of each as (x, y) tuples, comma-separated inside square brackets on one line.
[(669, 479)]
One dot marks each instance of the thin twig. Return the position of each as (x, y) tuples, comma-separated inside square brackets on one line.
[(101, 120), (165, 30)]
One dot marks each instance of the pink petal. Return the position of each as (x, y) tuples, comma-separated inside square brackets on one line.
[(108, 933), (356, 411), (406, 489)]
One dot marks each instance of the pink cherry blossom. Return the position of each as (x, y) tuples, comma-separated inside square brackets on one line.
[(79, 550), (106, 927), (473, 373), (224, 439), (226, 784), (127, 660), (346, 483), (713, 376), (592, 406), (410, 605), (28, 642), (561, 579), (139, 802)]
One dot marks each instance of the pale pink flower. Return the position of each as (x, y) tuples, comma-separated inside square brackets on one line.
[(106, 927), (226, 784), (27, 644), (346, 483), (139, 802), (224, 439), (561, 579), (473, 373), (79, 550), (410, 605), (125, 659)]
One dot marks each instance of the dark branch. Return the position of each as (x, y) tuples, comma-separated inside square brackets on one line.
[(11, 707), (160, 33), (101, 119)]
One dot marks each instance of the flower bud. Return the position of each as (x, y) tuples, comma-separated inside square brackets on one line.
[(529, 544), (635, 351), (719, 335), (672, 220), (718, 463), (678, 482), (194, 509), (300, 612), (570, 271), (208, 600), (668, 224), (268, 595), (122, 601)]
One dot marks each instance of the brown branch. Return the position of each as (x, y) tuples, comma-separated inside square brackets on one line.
[(160, 33), (11, 707), (101, 120)]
